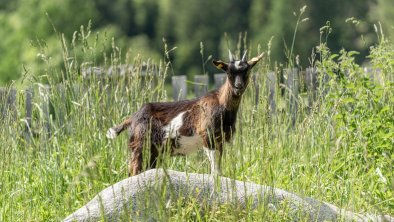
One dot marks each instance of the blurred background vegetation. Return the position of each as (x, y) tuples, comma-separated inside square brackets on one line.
[(31, 29)]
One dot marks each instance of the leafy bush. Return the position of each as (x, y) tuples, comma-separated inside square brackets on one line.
[(361, 101)]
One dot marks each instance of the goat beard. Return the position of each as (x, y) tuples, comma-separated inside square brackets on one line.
[(238, 92)]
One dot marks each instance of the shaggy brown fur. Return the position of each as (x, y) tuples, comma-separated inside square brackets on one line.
[(210, 118)]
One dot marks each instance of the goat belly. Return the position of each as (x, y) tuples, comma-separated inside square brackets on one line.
[(181, 143), (187, 144)]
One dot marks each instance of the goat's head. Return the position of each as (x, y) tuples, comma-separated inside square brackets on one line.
[(238, 71)]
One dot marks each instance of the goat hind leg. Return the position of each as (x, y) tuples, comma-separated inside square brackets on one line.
[(153, 157), (135, 160)]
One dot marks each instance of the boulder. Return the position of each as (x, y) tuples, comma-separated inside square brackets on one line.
[(140, 196)]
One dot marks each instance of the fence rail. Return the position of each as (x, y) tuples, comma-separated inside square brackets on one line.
[(288, 83)]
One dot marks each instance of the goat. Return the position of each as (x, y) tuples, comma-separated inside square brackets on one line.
[(185, 126)]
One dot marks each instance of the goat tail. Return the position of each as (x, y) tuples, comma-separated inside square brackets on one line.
[(114, 131)]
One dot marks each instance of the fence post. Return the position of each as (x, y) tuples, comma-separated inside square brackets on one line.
[(3, 102), (149, 74), (256, 84), (220, 78), (200, 85), (271, 83), (60, 109), (12, 103), (179, 87), (322, 82), (29, 109), (8, 102), (292, 84), (311, 85), (44, 91), (374, 74)]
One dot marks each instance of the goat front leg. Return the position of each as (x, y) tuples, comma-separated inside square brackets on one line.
[(213, 149), (214, 157)]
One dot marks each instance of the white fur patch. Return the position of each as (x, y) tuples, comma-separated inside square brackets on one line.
[(188, 144), (111, 134), (237, 66), (213, 157), (172, 129)]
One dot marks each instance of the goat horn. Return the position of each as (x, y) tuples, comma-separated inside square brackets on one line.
[(230, 55), (254, 60), (244, 57)]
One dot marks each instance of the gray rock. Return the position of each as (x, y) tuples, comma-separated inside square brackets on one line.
[(140, 196)]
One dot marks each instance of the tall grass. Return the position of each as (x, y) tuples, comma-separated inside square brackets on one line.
[(340, 150)]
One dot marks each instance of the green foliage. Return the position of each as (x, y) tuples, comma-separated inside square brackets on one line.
[(384, 12), (10, 66), (363, 117), (29, 25), (142, 25), (339, 151)]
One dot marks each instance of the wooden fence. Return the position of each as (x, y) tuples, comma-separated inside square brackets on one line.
[(288, 83)]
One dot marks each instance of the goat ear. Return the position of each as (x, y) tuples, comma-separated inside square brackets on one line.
[(220, 65), (255, 60)]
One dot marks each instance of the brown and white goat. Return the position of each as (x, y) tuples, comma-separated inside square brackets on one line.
[(185, 126)]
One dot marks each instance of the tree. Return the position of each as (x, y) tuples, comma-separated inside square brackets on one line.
[(19, 33), (186, 24), (142, 24), (10, 47), (277, 20), (384, 12), (351, 34)]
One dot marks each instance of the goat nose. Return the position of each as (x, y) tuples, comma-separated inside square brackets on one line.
[(238, 82)]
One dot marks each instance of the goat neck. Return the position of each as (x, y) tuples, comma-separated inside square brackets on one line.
[(227, 98)]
